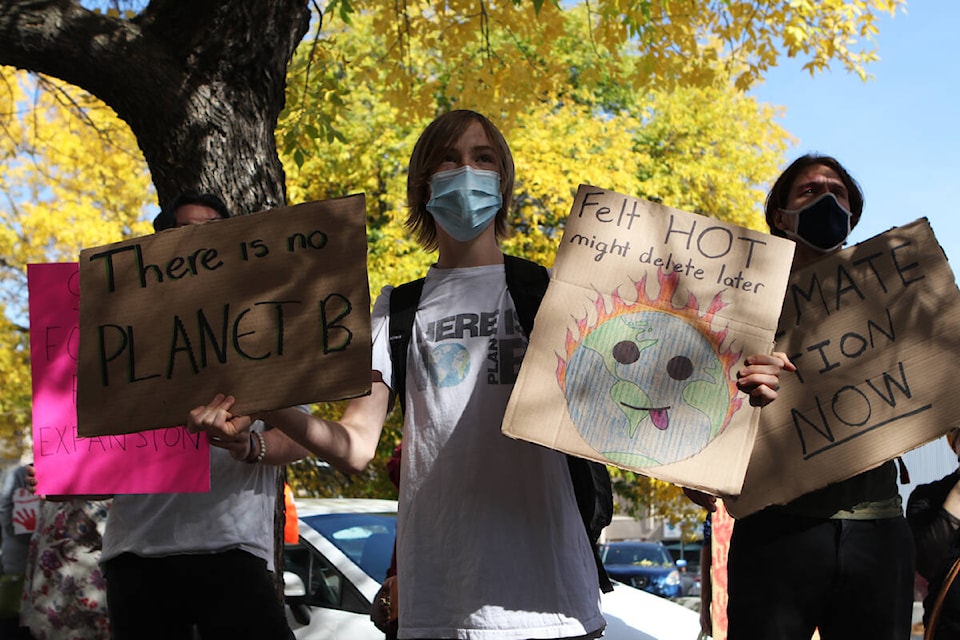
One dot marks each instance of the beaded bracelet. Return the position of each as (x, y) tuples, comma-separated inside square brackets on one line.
[(262, 453)]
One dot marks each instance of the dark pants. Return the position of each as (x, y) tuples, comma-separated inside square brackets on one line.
[(788, 575), (10, 629), (229, 596)]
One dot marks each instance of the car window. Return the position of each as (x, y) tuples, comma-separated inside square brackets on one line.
[(663, 557), (646, 555), (326, 586), (365, 538)]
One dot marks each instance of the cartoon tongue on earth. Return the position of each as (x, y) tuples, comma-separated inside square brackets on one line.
[(659, 417)]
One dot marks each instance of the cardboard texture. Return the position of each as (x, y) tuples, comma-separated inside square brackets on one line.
[(875, 333), (648, 315), (159, 461), (273, 308)]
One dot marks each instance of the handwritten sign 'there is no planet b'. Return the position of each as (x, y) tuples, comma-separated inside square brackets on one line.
[(273, 308)]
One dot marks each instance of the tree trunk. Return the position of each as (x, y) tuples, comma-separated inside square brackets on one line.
[(200, 83)]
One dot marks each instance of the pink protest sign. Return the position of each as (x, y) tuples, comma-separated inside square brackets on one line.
[(158, 461)]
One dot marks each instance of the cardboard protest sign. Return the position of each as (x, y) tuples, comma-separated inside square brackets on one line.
[(272, 308), (633, 360), (875, 334), (161, 461)]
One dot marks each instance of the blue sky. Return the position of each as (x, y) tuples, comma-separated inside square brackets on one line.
[(898, 134)]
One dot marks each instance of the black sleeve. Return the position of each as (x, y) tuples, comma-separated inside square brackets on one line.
[(936, 533)]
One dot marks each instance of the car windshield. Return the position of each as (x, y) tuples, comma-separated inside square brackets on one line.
[(366, 538), (648, 555)]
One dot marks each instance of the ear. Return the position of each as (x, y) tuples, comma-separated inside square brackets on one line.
[(783, 221)]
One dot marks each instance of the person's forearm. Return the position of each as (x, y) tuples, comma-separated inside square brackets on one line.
[(281, 449), (331, 441), (348, 444)]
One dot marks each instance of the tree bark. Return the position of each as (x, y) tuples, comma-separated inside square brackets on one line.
[(200, 83)]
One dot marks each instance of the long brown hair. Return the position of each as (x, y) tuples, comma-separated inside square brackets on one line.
[(429, 153)]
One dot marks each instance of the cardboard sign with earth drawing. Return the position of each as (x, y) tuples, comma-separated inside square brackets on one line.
[(649, 314)]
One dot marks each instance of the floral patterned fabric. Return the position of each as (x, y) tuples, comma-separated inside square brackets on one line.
[(64, 595)]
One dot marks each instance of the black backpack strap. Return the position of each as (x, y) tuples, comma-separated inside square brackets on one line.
[(594, 493), (527, 282), (403, 307)]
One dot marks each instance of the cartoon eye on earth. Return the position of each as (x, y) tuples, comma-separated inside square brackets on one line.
[(680, 368), (626, 352)]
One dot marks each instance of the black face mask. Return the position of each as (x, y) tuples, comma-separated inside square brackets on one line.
[(823, 224)]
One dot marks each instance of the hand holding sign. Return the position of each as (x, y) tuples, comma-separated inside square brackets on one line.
[(760, 378), (215, 418)]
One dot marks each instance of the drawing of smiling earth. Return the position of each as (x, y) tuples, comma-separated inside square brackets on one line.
[(647, 388)]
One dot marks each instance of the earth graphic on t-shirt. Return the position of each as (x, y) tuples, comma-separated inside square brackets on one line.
[(646, 388), (449, 364)]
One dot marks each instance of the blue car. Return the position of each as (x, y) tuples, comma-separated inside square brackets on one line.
[(644, 565)]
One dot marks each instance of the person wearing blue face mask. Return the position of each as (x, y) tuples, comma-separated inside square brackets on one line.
[(491, 544), (463, 201), (839, 559)]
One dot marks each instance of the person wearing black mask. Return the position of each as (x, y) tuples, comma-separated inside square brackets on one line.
[(839, 559), (816, 203)]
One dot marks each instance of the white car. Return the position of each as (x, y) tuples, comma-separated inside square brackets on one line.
[(333, 573)]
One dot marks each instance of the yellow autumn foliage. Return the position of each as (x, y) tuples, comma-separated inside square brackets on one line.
[(706, 148), (645, 97), (709, 149), (72, 177), (511, 52)]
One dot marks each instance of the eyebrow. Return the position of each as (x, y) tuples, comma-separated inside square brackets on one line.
[(830, 182)]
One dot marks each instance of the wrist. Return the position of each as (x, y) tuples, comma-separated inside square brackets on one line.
[(241, 454)]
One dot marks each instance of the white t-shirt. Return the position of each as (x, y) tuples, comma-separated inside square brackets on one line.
[(237, 513), (491, 544)]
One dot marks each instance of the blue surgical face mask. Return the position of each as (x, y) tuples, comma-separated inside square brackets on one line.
[(823, 224), (464, 201)]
